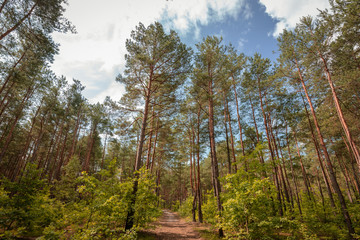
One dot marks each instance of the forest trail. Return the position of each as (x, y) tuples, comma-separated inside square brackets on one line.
[(171, 226)]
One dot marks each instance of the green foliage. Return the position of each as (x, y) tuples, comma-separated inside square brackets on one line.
[(186, 207), (83, 208), (209, 208), (248, 202), (322, 220), (104, 204), (66, 187), (146, 209), (26, 207)]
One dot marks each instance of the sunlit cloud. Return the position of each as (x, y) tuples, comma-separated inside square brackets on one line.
[(289, 12)]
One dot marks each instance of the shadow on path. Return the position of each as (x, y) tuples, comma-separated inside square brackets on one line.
[(171, 227)]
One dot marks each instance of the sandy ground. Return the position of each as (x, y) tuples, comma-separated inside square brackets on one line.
[(171, 226)]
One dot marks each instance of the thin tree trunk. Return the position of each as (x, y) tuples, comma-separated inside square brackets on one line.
[(77, 127), (340, 112), (303, 170), (11, 72), (104, 150), (200, 216), (323, 170), (154, 148), (276, 177), (86, 164), (215, 166), (227, 140), (232, 139), (191, 164), (239, 123), (10, 134), (131, 212), (148, 160), (334, 182), (18, 23), (3, 5), (293, 172)]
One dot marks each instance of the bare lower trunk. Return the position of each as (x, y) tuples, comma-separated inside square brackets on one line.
[(333, 180)]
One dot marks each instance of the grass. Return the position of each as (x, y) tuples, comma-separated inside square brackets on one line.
[(208, 235)]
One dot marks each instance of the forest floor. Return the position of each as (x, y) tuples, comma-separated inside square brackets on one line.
[(171, 227)]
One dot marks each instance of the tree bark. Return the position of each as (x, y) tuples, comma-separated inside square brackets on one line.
[(333, 180), (16, 25)]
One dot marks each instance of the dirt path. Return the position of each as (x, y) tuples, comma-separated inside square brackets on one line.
[(171, 227)]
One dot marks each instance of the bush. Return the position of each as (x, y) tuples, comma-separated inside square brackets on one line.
[(26, 207)]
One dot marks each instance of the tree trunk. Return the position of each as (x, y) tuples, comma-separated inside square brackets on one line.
[(333, 180), (340, 112), (18, 23), (323, 170), (232, 139), (200, 216), (227, 140), (303, 171), (238, 117), (293, 172), (276, 177), (18, 115), (215, 166), (154, 148), (131, 212)]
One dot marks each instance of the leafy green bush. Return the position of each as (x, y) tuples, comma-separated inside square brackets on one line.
[(26, 207), (209, 209), (185, 208), (83, 207)]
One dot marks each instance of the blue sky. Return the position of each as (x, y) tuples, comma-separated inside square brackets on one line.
[(95, 55)]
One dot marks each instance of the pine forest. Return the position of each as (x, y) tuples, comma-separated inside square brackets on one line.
[(253, 148)]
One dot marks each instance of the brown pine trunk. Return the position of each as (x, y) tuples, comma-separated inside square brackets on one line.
[(154, 148), (354, 171), (148, 155), (11, 73), (334, 182), (281, 172), (215, 166), (52, 161), (14, 123), (200, 216), (131, 212), (86, 164), (3, 5), (227, 140), (286, 176), (339, 111), (303, 171), (320, 189), (104, 150), (276, 177), (75, 136), (239, 123), (191, 164), (323, 170), (232, 139), (18, 23), (346, 177), (21, 162), (293, 172), (61, 159)]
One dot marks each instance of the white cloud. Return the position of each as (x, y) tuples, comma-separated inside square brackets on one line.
[(96, 54), (241, 43), (288, 12)]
